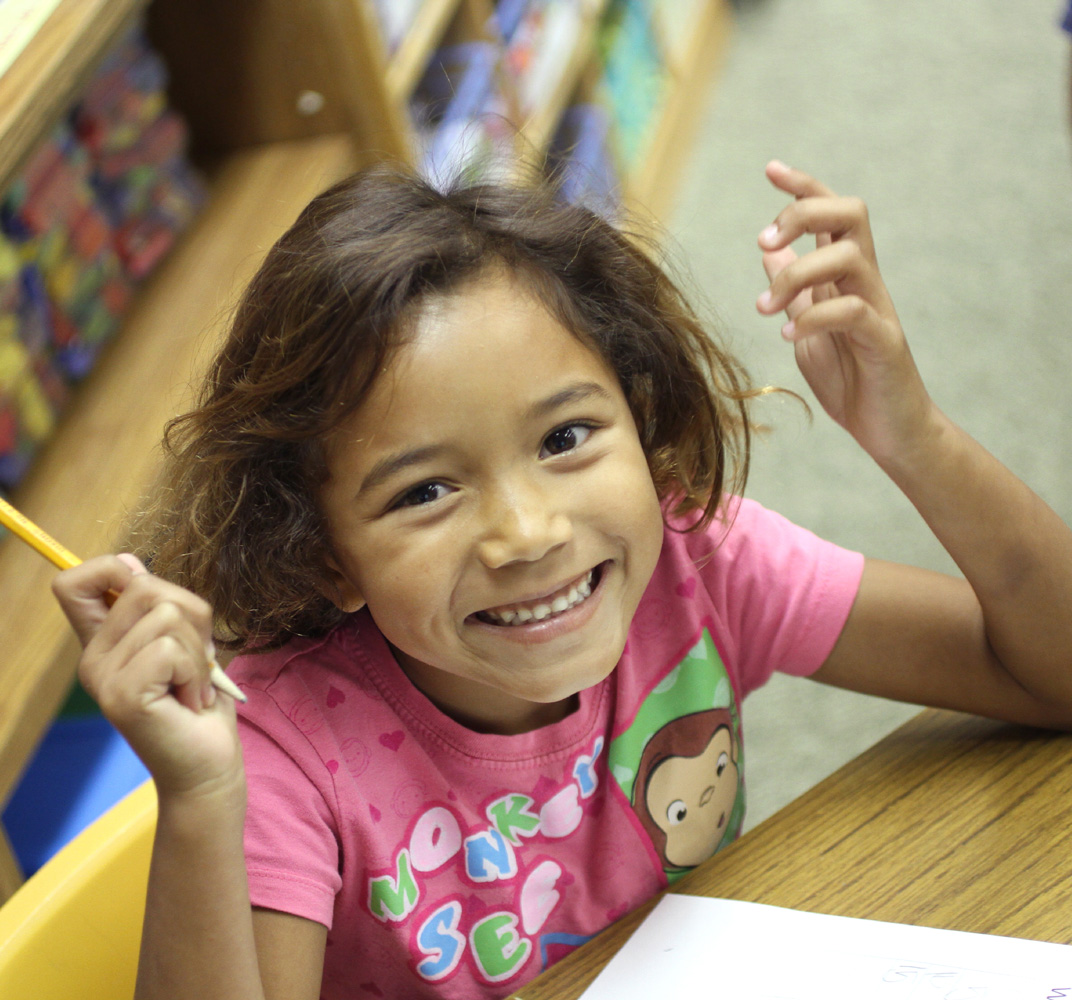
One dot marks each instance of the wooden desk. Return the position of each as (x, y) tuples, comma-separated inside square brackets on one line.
[(951, 821)]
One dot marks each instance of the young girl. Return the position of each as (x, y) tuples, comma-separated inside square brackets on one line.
[(463, 486)]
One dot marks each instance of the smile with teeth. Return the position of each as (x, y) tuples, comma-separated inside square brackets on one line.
[(569, 596)]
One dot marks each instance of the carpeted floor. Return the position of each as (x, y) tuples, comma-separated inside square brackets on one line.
[(951, 121)]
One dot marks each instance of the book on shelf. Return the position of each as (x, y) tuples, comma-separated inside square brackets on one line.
[(580, 164), (540, 37), (92, 212), (634, 80)]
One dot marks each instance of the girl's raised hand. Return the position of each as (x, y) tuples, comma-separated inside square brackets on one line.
[(146, 661), (847, 338)]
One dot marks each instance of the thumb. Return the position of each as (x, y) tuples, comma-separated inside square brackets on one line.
[(86, 591)]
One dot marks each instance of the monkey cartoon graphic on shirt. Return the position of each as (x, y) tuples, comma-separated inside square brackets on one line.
[(686, 786), (679, 763)]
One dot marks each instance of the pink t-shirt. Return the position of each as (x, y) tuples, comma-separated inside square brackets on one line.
[(448, 863)]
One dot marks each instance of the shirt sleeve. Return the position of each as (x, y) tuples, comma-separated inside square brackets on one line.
[(292, 850), (784, 593)]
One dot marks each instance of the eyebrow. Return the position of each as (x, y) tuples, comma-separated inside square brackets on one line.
[(391, 465), (574, 393)]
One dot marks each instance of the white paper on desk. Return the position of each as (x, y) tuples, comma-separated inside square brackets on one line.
[(691, 947)]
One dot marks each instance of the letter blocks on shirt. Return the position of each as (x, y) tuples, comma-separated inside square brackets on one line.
[(499, 943)]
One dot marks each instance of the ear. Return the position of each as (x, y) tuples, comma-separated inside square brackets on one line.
[(340, 589)]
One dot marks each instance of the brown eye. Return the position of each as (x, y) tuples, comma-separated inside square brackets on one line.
[(565, 439), (562, 440), (423, 494)]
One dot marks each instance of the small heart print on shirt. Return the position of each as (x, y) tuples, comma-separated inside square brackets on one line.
[(335, 697), (686, 589), (392, 740)]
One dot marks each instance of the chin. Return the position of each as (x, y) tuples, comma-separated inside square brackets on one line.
[(551, 693)]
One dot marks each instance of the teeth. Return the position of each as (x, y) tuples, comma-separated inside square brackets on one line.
[(539, 612)]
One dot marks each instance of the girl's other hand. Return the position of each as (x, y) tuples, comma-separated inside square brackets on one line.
[(146, 660), (847, 338)]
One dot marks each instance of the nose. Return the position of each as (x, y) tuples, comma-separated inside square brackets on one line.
[(521, 524)]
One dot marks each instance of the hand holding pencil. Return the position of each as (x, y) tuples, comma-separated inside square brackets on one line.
[(147, 661), (30, 533)]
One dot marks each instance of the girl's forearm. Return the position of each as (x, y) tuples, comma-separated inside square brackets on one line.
[(1010, 545), (198, 933)]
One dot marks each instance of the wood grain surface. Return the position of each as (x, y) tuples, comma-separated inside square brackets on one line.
[(951, 821)]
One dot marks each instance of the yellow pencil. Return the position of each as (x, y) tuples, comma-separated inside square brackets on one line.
[(30, 533)]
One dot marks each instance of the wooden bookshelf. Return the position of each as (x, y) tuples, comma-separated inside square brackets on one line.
[(242, 74), (39, 86)]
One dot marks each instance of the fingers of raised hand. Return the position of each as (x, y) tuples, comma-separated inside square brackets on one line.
[(162, 652), (848, 314), (795, 182), (838, 269), (829, 219), (774, 263)]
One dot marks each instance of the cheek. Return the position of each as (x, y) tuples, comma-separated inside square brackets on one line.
[(397, 583), (410, 585), (408, 613), (627, 496), (646, 533)]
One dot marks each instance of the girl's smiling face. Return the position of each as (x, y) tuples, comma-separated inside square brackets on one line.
[(491, 503)]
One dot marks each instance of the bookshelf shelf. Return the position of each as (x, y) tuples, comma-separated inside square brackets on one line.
[(242, 73), (38, 87)]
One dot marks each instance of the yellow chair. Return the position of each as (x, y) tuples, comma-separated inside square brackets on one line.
[(73, 930)]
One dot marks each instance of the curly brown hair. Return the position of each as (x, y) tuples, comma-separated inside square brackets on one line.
[(235, 515)]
